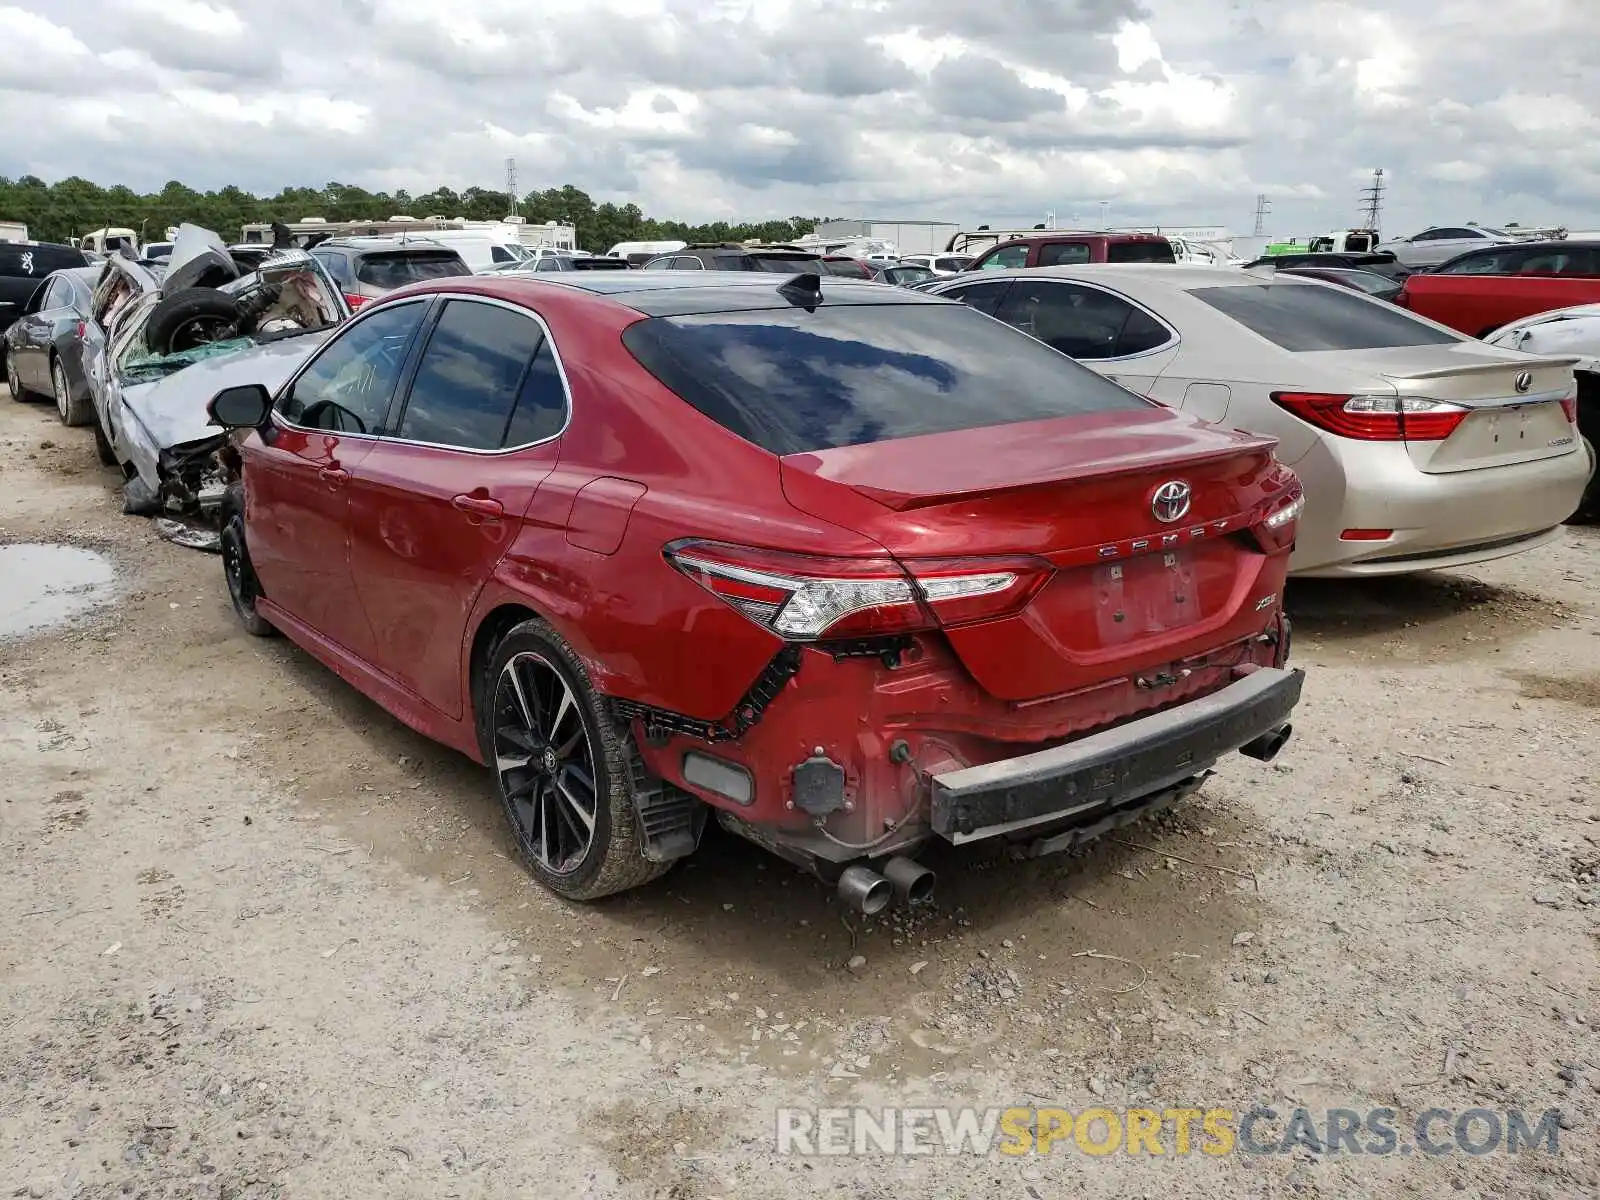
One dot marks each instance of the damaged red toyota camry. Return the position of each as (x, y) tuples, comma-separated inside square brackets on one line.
[(851, 568)]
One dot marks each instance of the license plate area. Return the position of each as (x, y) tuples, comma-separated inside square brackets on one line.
[(1144, 596)]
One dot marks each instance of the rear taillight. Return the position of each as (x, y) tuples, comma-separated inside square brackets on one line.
[(1569, 405), (354, 301), (82, 325), (1375, 418), (802, 597)]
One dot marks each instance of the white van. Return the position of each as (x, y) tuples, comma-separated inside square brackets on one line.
[(480, 249), (109, 241)]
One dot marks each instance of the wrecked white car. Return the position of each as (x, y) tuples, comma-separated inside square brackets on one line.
[(1573, 330), (154, 329)]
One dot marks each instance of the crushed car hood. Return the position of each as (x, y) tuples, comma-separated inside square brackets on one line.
[(172, 411)]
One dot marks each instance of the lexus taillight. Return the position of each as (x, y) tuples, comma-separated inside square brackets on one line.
[(803, 597), (1569, 405), (354, 301), (1375, 418)]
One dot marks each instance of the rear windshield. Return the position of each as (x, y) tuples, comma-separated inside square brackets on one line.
[(1140, 252), (788, 264), (19, 258), (793, 381), (1302, 318), (397, 268), (599, 264)]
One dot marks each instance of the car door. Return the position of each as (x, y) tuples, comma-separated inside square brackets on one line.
[(31, 339), (1100, 329), (435, 504), (325, 421)]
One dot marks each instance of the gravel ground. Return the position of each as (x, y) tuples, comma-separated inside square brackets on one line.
[(262, 941)]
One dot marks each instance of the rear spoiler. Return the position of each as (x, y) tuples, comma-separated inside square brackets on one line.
[(1489, 368)]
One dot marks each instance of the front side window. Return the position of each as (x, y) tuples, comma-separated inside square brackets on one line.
[(500, 254), (659, 264), (347, 388), (793, 381), (470, 377), (1306, 319), (954, 263), (1006, 257)]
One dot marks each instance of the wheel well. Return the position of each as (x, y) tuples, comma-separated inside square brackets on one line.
[(494, 627)]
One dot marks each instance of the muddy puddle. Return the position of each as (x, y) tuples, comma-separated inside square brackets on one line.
[(45, 586)]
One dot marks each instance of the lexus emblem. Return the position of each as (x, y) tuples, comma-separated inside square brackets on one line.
[(1524, 381), (1171, 501)]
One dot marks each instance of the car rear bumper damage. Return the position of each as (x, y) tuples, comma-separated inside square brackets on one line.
[(1092, 778)]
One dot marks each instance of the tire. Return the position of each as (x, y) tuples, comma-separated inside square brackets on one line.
[(1588, 512), (102, 444), (551, 677), (243, 587), (18, 392), (193, 317), (73, 410)]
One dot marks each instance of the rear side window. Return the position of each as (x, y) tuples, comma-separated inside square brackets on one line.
[(501, 254), (471, 377), (985, 297), (1140, 252), (1304, 319), (793, 381), (953, 262), (397, 268), (1063, 254), (338, 267)]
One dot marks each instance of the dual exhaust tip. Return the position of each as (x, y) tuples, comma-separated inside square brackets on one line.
[(869, 893), (1265, 748)]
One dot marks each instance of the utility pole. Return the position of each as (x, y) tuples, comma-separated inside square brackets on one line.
[(511, 183), (1263, 207), (1372, 201), (1105, 207)]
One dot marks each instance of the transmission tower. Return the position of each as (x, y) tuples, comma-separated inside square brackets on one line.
[(1372, 201), (1263, 207), (511, 183)]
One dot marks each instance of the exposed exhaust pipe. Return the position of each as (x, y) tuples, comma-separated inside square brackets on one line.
[(912, 881), (1266, 746), (864, 890)]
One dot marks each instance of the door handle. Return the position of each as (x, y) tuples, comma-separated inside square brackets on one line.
[(334, 475), (486, 507)]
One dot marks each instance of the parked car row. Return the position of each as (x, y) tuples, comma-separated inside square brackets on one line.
[(850, 568)]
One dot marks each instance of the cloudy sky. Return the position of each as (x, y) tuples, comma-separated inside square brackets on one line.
[(994, 110)]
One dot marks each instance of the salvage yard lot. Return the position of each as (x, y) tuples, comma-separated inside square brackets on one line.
[(261, 940)]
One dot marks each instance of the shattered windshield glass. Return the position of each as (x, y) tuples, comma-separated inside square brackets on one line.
[(140, 365)]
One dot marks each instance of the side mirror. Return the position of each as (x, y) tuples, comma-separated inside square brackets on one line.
[(242, 407)]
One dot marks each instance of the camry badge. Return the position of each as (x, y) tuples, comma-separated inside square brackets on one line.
[(1171, 501)]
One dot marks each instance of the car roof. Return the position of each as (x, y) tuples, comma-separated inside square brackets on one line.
[(380, 243), (1174, 276), (662, 293)]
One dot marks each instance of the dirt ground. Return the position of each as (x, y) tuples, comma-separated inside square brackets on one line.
[(259, 940)]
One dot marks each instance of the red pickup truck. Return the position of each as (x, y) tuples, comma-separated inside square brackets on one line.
[(1479, 292), (1070, 249)]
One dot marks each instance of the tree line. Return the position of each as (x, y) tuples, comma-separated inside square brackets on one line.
[(66, 210)]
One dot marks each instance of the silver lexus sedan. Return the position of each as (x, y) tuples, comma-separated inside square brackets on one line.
[(1418, 448)]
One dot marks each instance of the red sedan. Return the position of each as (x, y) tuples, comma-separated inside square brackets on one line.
[(850, 567)]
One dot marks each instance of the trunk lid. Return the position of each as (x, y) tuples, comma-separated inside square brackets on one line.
[(1514, 398), (1130, 592)]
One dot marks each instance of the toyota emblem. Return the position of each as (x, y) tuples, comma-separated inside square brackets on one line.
[(1524, 381), (1171, 501)]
